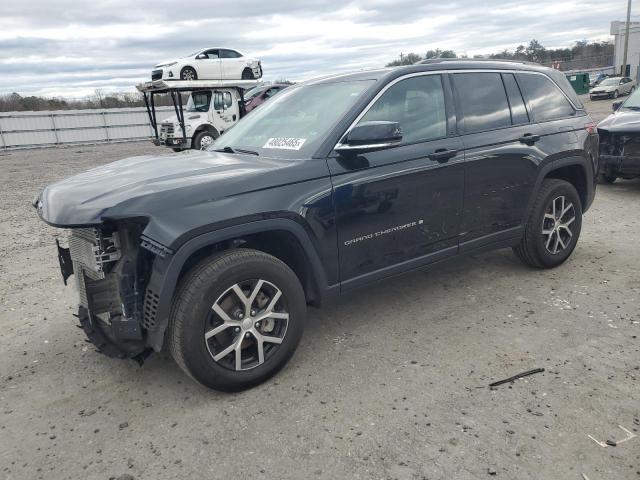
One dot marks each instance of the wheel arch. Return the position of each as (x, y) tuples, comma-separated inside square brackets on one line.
[(206, 127), (283, 238), (574, 170)]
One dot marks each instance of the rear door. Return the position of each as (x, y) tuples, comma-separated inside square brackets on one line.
[(501, 158), (232, 64), (400, 207)]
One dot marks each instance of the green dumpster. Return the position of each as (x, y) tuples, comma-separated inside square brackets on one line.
[(579, 82)]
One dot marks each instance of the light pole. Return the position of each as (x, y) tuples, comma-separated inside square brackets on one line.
[(623, 69)]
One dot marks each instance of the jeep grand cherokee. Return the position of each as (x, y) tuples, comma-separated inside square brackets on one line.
[(333, 184)]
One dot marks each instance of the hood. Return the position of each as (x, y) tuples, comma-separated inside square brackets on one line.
[(164, 64), (601, 88), (142, 186), (621, 121)]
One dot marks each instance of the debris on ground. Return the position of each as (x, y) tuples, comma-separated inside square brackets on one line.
[(515, 377)]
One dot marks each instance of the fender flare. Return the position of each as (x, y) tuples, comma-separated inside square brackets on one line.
[(166, 270), (555, 165)]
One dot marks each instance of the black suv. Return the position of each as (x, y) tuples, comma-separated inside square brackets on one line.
[(333, 184)]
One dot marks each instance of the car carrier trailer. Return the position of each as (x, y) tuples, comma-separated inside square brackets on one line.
[(213, 106)]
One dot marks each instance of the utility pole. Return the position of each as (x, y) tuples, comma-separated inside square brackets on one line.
[(623, 69)]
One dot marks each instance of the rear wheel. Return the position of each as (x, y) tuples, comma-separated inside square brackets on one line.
[(188, 73), (237, 319), (553, 227), (203, 139), (247, 74)]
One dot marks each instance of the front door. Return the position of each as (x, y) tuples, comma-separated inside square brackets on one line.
[(224, 110), (399, 208), (209, 68)]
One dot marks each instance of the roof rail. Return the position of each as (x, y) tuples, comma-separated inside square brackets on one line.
[(496, 60)]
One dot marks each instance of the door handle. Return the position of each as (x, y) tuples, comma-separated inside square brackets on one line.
[(529, 138), (443, 155)]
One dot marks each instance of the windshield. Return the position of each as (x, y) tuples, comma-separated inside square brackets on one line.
[(199, 102), (607, 82), (633, 102), (295, 122), (249, 94)]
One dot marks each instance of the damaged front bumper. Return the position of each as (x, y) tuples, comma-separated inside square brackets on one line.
[(110, 277), (620, 153)]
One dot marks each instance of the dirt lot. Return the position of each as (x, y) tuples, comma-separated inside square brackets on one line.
[(390, 383)]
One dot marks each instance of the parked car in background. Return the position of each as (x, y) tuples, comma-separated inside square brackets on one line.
[(620, 141), (210, 64), (260, 94), (612, 87), (596, 79), (332, 185)]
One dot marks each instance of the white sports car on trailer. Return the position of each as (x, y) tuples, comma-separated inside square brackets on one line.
[(210, 64)]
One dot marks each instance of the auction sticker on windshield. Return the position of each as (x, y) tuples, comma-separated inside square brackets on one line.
[(285, 143)]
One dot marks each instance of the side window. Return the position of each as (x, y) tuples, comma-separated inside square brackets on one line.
[(483, 101), (212, 54), (417, 104), (518, 110), (546, 100), (229, 54), (222, 100)]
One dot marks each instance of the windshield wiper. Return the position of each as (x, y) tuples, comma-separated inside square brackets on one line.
[(228, 149)]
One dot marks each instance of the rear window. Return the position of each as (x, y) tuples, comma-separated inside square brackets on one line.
[(483, 101), (545, 98)]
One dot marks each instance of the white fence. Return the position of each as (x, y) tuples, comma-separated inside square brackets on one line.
[(66, 127)]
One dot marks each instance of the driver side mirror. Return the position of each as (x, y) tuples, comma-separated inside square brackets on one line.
[(201, 56), (616, 105), (370, 136)]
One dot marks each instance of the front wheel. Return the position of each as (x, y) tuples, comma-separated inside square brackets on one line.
[(553, 227), (615, 94), (237, 319), (188, 73), (203, 139)]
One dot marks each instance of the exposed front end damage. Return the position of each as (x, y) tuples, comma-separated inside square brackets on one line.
[(620, 153), (111, 271)]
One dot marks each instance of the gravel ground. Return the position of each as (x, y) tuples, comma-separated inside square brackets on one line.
[(389, 383)]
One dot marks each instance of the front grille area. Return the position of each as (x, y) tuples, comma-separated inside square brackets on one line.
[(92, 254), (156, 74), (166, 130)]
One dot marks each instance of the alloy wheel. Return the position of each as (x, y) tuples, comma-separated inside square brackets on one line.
[(556, 225), (247, 325), (188, 74)]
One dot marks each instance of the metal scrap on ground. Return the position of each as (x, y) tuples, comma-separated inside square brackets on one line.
[(515, 377)]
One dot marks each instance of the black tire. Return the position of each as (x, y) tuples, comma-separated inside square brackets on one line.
[(532, 249), (176, 149), (201, 139), (192, 312), (188, 73), (247, 74), (615, 94), (608, 178)]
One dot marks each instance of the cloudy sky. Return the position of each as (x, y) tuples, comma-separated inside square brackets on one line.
[(71, 47)]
